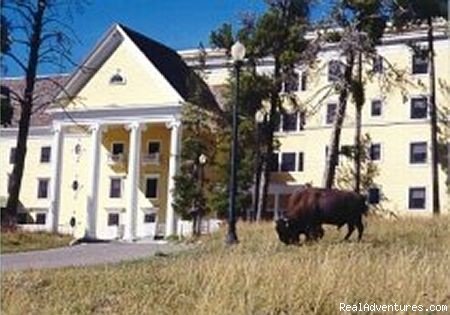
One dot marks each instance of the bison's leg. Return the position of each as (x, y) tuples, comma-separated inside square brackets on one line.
[(351, 228), (360, 228)]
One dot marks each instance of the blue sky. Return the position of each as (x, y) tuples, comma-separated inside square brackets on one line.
[(180, 24)]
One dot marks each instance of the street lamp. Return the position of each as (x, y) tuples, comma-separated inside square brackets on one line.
[(237, 53)]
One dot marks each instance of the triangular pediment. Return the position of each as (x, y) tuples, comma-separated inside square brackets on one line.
[(118, 74)]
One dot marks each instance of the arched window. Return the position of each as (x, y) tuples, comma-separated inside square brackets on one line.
[(117, 78)]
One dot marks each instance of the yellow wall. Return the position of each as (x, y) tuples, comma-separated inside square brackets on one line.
[(144, 85)]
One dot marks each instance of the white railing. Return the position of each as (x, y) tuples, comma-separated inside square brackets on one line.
[(151, 158), (114, 159)]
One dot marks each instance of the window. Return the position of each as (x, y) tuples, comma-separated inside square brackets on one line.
[(151, 188), (376, 108), (419, 106), (149, 217), (45, 154), (289, 122), (417, 198), (420, 63), (335, 70), (374, 195), (300, 161), (288, 162), (418, 153), (43, 188), (303, 81), (12, 156), (117, 78), (302, 120), (331, 113), (118, 148), (115, 189), (153, 147), (291, 82), (375, 152), (41, 218), (113, 219), (273, 164), (377, 64)]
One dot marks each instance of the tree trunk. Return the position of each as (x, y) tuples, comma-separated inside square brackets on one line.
[(359, 102), (433, 121), (274, 104), (26, 107), (333, 155)]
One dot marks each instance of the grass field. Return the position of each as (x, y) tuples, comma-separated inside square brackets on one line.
[(404, 262), (21, 241)]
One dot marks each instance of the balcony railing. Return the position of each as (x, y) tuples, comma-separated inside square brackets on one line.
[(115, 159), (151, 158)]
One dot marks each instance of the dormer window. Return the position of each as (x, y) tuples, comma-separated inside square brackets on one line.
[(117, 78)]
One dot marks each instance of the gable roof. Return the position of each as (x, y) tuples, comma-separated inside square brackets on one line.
[(167, 61)]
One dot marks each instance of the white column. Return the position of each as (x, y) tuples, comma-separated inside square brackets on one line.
[(175, 139), (56, 153), (132, 182), (91, 224)]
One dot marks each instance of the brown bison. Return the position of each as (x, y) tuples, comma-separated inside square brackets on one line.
[(311, 207)]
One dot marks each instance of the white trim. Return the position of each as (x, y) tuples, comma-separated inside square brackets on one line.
[(418, 210), (418, 96)]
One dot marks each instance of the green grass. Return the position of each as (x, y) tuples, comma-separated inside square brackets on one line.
[(404, 262), (21, 241)]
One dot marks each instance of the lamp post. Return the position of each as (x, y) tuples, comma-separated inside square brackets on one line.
[(237, 53), (201, 176)]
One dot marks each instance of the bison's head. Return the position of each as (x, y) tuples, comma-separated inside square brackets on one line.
[(286, 232)]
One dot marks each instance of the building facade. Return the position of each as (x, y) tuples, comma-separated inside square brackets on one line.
[(102, 156)]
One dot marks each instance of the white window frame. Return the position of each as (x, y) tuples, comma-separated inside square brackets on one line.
[(39, 179), (418, 164), (417, 96), (158, 178), (49, 158), (426, 198), (382, 108), (121, 187)]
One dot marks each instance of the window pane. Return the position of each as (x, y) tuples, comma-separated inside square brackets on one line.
[(375, 152), (420, 64), (43, 188), (374, 196), (291, 83), (153, 147), (419, 107), (40, 218), (45, 154), (290, 122), (376, 108), (417, 198), (113, 219), (331, 112), (378, 64), (149, 217), (288, 162), (115, 190), (304, 81), (117, 148), (300, 161), (151, 188), (335, 70), (418, 152)]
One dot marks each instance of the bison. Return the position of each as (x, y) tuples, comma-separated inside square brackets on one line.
[(309, 208)]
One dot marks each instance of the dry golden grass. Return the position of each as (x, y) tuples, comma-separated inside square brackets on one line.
[(20, 241), (403, 262)]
